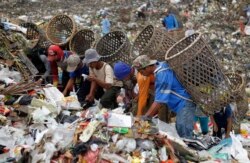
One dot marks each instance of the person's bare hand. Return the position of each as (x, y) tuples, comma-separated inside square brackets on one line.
[(39, 82), (89, 98), (91, 78)]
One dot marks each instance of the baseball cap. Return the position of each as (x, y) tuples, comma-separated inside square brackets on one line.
[(91, 55), (121, 70), (72, 62), (143, 61), (58, 53)]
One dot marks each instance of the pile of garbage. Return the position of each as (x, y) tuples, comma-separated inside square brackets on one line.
[(39, 124), (221, 22), (42, 125)]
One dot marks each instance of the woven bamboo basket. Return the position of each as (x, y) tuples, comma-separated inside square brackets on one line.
[(43, 41), (61, 29), (176, 35), (32, 30), (199, 72), (32, 33), (114, 46), (153, 42), (147, 42), (165, 45), (238, 84), (81, 41)]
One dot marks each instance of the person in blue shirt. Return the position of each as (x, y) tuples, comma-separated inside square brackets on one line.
[(76, 69), (105, 24), (169, 91), (222, 119), (169, 21)]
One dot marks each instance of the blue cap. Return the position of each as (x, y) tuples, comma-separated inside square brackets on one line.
[(121, 70)]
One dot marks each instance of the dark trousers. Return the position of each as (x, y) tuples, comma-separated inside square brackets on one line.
[(219, 132), (108, 98), (83, 91), (65, 79)]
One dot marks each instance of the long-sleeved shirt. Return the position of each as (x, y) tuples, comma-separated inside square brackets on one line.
[(168, 90), (144, 86), (47, 66), (62, 64)]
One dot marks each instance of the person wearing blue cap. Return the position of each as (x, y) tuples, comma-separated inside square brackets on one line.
[(123, 71), (126, 73)]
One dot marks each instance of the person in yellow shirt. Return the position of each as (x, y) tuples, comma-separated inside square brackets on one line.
[(145, 87)]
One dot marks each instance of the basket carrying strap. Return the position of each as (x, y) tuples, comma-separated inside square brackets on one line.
[(168, 91)]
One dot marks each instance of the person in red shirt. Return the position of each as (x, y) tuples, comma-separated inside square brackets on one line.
[(58, 58)]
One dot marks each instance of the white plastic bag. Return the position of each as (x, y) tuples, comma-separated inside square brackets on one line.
[(53, 94), (10, 76), (247, 30), (71, 103), (237, 150)]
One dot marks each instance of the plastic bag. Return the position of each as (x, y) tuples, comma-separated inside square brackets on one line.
[(40, 115), (247, 30), (237, 150), (53, 95), (126, 144), (71, 103), (41, 103), (7, 75), (170, 129), (63, 137), (146, 144)]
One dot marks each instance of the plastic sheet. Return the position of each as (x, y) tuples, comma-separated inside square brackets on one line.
[(10, 76)]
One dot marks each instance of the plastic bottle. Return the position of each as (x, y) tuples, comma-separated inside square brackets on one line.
[(121, 130)]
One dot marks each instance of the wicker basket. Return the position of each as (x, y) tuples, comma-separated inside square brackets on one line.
[(238, 84), (32, 33), (61, 29), (147, 42), (153, 42), (165, 45), (43, 41), (81, 41), (176, 35), (114, 46), (32, 30), (197, 69), (36, 33)]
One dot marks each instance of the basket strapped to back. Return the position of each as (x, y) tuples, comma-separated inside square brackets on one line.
[(114, 46), (238, 84), (197, 69), (153, 42), (81, 41), (32, 33), (32, 30), (61, 29), (35, 32)]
